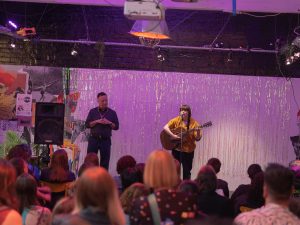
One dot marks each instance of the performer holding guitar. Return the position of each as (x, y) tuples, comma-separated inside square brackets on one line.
[(184, 131)]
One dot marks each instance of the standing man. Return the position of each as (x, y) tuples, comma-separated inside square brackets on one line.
[(102, 120), (184, 152)]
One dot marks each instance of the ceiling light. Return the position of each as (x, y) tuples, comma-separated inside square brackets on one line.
[(156, 29), (12, 24)]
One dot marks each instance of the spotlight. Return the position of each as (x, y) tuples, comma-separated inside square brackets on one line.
[(12, 24), (161, 55), (219, 45), (288, 62), (12, 44), (74, 52)]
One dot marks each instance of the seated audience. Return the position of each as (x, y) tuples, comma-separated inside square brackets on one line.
[(32, 212), (96, 201), (242, 189), (161, 176), (221, 184), (254, 198), (189, 187), (84, 167), (24, 151), (130, 176), (209, 201), (92, 158), (65, 205), (294, 206), (126, 161), (8, 200), (278, 186), (20, 165), (128, 196), (57, 173)]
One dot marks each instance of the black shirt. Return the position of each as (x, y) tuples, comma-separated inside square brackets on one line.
[(103, 130)]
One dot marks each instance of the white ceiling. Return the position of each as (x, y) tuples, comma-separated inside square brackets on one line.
[(267, 6)]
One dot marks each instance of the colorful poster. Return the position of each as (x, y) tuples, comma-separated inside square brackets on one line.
[(12, 82)]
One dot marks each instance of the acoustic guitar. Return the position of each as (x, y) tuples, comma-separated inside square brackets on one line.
[(169, 143)]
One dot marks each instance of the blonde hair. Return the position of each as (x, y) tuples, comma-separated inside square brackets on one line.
[(160, 170), (96, 188)]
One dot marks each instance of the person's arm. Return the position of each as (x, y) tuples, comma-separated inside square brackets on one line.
[(89, 123), (167, 129), (115, 123)]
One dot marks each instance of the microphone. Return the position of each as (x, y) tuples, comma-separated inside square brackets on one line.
[(181, 114)]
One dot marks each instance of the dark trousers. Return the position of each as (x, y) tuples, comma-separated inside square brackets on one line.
[(186, 159), (103, 145)]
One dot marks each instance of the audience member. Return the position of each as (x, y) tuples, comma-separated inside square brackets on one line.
[(24, 151), (92, 158), (126, 161), (57, 173), (32, 212), (20, 165), (128, 196), (253, 199), (65, 205), (278, 186), (161, 176), (189, 187), (96, 201), (130, 176), (242, 189), (294, 206), (209, 201), (221, 184), (8, 200)]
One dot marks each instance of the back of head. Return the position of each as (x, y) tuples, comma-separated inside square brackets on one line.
[(256, 189), (84, 167), (188, 186), (160, 170), (59, 166), (95, 188), (7, 184), (207, 180), (279, 181), (126, 161), (130, 176), (60, 159), (253, 169), (131, 193), (20, 151), (140, 168), (20, 165), (64, 206), (215, 164), (92, 158), (26, 188)]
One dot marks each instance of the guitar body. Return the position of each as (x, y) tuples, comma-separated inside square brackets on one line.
[(169, 143)]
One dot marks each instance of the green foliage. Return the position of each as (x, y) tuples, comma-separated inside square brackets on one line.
[(12, 139)]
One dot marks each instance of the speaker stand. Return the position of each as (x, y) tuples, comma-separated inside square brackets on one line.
[(46, 155)]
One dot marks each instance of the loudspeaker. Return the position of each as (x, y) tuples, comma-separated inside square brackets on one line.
[(49, 123)]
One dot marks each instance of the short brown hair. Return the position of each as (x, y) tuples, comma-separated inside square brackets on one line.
[(279, 180)]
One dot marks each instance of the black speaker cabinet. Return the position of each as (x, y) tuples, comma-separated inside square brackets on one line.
[(49, 123)]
